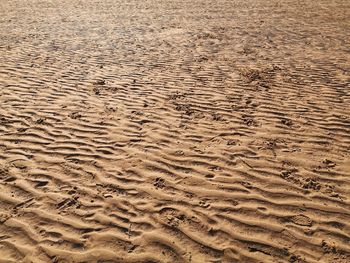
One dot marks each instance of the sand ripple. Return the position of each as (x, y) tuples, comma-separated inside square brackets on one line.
[(174, 131)]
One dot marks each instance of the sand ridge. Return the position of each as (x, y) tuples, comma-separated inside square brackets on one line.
[(174, 131)]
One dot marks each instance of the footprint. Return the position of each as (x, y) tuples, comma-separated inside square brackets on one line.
[(100, 82), (287, 122), (179, 153), (311, 183), (204, 204), (40, 121), (328, 163), (301, 220), (247, 185), (4, 217), (217, 117), (41, 183), (75, 115), (159, 183)]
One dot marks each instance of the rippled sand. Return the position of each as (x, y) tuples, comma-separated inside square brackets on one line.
[(174, 131)]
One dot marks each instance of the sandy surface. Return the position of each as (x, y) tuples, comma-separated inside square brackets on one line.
[(174, 131)]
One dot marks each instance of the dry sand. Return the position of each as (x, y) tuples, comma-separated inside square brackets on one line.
[(174, 131)]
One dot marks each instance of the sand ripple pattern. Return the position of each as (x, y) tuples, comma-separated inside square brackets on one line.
[(174, 131)]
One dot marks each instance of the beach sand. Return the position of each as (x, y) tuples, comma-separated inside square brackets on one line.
[(174, 131)]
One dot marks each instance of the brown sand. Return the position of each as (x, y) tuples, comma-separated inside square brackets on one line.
[(174, 131)]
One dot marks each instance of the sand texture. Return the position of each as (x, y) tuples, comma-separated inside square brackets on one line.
[(174, 131)]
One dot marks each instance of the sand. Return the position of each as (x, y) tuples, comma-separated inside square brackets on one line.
[(174, 131)]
